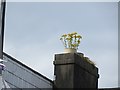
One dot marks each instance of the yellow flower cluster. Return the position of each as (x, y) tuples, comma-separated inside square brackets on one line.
[(71, 40)]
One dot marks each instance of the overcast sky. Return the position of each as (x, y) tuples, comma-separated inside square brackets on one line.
[(32, 34)]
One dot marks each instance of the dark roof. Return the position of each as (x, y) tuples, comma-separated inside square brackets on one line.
[(27, 67)]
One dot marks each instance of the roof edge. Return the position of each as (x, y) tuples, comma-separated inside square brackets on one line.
[(27, 67)]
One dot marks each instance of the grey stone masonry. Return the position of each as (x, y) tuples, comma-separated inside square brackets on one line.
[(71, 70)]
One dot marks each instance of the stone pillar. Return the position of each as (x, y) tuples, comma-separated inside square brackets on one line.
[(71, 70)]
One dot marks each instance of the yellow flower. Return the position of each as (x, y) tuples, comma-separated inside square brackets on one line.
[(71, 40), (74, 33), (69, 34), (64, 35), (68, 38), (78, 36)]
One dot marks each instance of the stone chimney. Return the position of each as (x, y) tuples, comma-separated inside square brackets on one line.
[(71, 70)]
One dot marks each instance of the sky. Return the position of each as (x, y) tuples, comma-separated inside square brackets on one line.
[(33, 30), (62, 0)]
